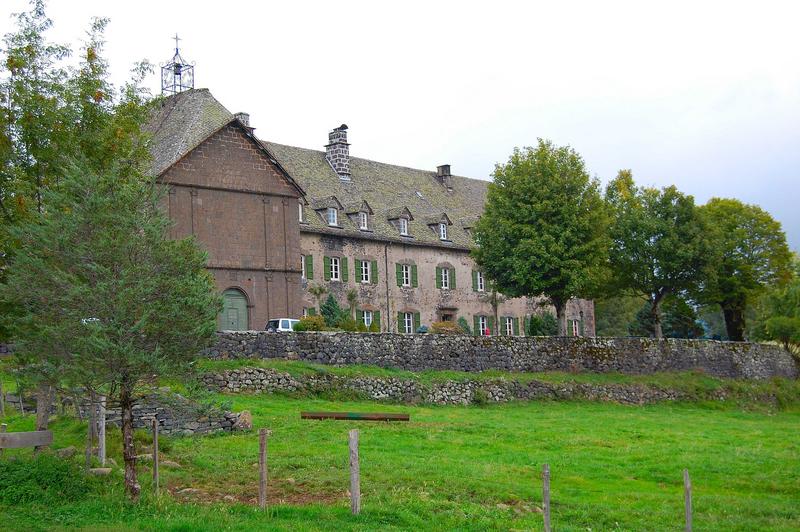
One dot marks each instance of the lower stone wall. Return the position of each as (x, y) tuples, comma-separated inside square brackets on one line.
[(264, 380), (418, 352)]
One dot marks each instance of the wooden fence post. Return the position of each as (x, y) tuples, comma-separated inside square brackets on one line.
[(546, 496), (687, 499), (101, 442), (2, 401), (19, 396), (89, 436), (355, 474), (3, 428), (262, 468), (155, 453)]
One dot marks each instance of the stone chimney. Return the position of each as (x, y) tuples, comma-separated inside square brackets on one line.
[(244, 118), (337, 151), (443, 176)]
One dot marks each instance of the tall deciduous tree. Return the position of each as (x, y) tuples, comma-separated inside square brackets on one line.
[(659, 242), (751, 255), (103, 297), (543, 230)]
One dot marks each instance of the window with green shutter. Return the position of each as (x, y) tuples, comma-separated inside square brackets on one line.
[(491, 325), (438, 277), (326, 267), (311, 311), (359, 316), (399, 271), (414, 275), (476, 325), (345, 271), (452, 278), (357, 270), (401, 322), (516, 326), (373, 272), (309, 267), (376, 318), (417, 321), (474, 281)]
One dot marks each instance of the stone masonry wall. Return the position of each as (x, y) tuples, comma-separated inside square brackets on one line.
[(418, 352)]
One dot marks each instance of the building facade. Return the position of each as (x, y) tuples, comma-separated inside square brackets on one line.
[(286, 226)]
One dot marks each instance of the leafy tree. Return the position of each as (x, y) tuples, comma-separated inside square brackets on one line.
[(613, 315), (464, 324), (659, 244), (751, 255), (680, 320), (332, 312), (105, 300), (543, 230), (542, 325), (778, 313)]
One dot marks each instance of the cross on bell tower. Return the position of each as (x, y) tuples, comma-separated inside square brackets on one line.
[(176, 75)]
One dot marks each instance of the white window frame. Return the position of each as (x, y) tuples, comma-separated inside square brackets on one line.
[(365, 271), (403, 226), (408, 322), (443, 231), (405, 270), (483, 324), (368, 316), (363, 221), (305, 312), (508, 323), (481, 281), (302, 266), (333, 216), (300, 211), (336, 270), (574, 327), (445, 278)]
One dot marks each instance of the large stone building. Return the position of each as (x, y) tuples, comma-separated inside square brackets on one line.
[(279, 220)]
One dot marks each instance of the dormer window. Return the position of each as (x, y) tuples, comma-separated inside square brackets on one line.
[(443, 231), (403, 226), (363, 221), (333, 216), (300, 212)]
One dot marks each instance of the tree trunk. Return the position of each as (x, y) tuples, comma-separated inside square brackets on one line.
[(561, 316), (734, 320), (132, 487), (44, 400), (495, 305), (655, 313)]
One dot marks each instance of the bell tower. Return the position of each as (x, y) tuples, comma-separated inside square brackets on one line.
[(177, 75)]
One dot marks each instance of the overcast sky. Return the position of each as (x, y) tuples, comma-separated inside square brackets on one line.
[(703, 95)]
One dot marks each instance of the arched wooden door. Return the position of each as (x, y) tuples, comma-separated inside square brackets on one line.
[(234, 311)]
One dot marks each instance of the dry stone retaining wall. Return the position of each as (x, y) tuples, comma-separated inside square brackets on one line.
[(418, 352)]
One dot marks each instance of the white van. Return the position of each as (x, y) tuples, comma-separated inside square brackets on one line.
[(281, 325)]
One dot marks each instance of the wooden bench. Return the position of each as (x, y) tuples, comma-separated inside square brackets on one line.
[(18, 440), (354, 416)]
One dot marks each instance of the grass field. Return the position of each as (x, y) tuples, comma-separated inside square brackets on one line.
[(613, 467)]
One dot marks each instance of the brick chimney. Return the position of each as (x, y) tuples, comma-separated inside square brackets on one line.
[(443, 176), (337, 151)]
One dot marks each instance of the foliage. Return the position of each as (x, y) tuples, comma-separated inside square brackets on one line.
[(310, 323), (543, 230), (659, 243), (446, 327), (778, 315), (544, 324), (348, 324), (332, 312), (751, 255), (374, 327), (679, 320), (713, 322), (613, 315), (464, 324), (42, 479)]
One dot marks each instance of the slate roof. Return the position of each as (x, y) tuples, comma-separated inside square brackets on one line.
[(181, 122)]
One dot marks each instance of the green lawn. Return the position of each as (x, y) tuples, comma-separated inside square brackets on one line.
[(472, 468)]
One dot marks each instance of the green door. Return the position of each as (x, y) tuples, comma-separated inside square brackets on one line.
[(234, 311)]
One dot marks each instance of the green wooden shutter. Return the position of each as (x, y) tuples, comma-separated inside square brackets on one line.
[(399, 272), (356, 271), (400, 322), (373, 272), (326, 266), (309, 267), (359, 316), (491, 325), (516, 326), (414, 275), (416, 321), (452, 278), (580, 327), (312, 311), (476, 325), (438, 277), (474, 281), (502, 326), (344, 272), (376, 318)]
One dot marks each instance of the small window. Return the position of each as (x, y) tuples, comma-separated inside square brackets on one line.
[(481, 282), (333, 216), (574, 326), (362, 221), (335, 270), (285, 324), (406, 271), (300, 212), (445, 280), (403, 226), (305, 312), (367, 318), (365, 264), (408, 322), (483, 325), (443, 231), (508, 325), (303, 266)]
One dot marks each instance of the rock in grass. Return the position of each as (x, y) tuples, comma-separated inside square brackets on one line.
[(170, 464), (244, 422), (100, 471), (66, 452)]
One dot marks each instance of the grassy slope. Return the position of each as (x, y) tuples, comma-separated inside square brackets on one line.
[(613, 467)]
